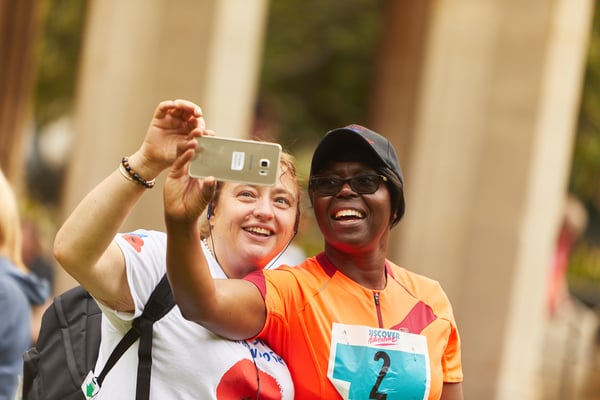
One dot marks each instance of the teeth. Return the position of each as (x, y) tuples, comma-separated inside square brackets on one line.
[(257, 230), (349, 213)]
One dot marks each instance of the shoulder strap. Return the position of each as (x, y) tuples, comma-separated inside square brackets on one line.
[(161, 301)]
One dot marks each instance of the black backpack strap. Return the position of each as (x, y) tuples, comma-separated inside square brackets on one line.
[(161, 301)]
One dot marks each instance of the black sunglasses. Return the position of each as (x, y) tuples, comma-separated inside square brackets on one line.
[(330, 185)]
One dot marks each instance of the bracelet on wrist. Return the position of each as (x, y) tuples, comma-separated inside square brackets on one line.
[(132, 176)]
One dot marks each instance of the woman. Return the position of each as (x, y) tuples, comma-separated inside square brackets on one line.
[(350, 323), (21, 295), (247, 227)]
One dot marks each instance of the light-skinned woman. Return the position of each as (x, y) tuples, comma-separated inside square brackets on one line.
[(247, 227)]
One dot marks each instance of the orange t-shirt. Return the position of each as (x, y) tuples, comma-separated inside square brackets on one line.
[(342, 340)]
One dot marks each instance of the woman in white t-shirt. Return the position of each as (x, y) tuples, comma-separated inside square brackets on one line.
[(247, 226)]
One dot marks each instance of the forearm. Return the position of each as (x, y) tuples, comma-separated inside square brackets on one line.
[(232, 308), (452, 391), (188, 272)]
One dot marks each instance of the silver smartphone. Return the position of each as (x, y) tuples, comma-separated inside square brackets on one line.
[(236, 160)]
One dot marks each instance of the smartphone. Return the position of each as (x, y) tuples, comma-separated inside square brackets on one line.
[(236, 160)]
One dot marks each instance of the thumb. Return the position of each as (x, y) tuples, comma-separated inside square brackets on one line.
[(182, 163)]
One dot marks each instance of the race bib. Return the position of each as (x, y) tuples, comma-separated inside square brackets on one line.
[(380, 364)]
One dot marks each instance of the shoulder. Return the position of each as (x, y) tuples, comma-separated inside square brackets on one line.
[(410, 278), (12, 297), (287, 278), (308, 270), (423, 288), (141, 239)]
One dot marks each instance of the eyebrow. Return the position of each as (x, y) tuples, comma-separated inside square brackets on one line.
[(275, 190), (287, 192)]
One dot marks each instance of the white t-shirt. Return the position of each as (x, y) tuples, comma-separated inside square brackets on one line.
[(188, 361)]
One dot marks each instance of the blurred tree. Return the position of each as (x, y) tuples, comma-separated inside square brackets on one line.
[(59, 60), (585, 173), (59, 50), (318, 66)]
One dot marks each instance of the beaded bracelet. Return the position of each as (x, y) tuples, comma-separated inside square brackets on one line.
[(133, 176)]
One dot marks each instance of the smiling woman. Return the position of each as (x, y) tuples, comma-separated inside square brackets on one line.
[(257, 221), (246, 228), (348, 322)]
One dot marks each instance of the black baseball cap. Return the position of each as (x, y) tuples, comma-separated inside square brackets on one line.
[(357, 143)]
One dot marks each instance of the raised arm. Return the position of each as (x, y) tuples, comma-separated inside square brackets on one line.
[(84, 244), (232, 308)]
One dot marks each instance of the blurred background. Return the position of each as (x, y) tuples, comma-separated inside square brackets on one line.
[(493, 106)]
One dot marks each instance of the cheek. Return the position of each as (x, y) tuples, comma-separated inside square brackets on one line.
[(383, 204), (287, 220), (319, 211)]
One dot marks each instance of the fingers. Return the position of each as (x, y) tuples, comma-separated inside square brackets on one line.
[(185, 110), (182, 109), (186, 197), (162, 108), (181, 164)]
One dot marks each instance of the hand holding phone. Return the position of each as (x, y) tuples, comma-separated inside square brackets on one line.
[(236, 160)]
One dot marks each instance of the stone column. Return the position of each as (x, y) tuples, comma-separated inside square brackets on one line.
[(486, 156), (19, 27), (137, 53)]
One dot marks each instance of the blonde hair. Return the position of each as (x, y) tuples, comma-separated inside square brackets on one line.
[(11, 236), (288, 166)]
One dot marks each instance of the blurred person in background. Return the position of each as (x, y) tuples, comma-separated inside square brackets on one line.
[(573, 224), (246, 228), (22, 295), (34, 252)]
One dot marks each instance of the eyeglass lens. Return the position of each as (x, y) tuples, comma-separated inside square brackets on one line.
[(330, 185)]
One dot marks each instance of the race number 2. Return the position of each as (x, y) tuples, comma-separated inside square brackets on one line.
[(375, 394), (378, 364)]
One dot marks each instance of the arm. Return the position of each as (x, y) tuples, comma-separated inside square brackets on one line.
[(452, 391), (84, 244), (232, 308)]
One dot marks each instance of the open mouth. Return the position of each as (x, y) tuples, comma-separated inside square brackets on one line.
[(259, 231), (347, 214)]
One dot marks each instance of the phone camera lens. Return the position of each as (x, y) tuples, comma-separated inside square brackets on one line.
[(264, 163)]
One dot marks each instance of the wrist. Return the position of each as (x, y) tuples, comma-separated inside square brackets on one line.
[(182, 227), (132, 175), (146, 169)]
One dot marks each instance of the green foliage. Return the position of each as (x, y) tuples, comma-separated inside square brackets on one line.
[(318, 66), (585, 173), (583, 275), (58, 59)]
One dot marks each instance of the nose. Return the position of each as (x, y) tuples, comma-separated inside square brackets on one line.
[(346, 190), (263, 209)]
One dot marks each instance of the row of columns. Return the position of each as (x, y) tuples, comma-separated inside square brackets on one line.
[(479, 97)]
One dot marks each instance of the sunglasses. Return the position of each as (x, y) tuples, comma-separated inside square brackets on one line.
[(330, 185)]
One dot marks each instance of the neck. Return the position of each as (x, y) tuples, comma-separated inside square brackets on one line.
[(367, 268)]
